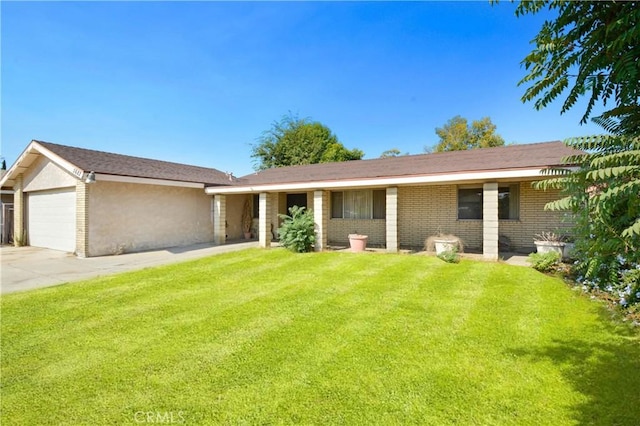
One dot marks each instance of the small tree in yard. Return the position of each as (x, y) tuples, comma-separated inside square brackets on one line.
[(297, 232)]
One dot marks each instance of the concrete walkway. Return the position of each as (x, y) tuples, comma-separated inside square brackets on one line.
[(26, 268)]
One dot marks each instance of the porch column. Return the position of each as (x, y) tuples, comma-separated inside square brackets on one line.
[(82, 219), (392, 219), (19, 234), (219, 219), (264, 227), (490, 221), (321, 218)]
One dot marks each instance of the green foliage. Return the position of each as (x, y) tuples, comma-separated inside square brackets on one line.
[(393, 152), (293, 141), (450, 256), (592, 49), (458, 135), (602, 193), (545, 262), (297, 232)]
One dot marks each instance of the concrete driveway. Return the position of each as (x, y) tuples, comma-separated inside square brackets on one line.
[(27, 268)]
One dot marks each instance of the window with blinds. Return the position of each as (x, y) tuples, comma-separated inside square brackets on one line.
[(359, 204)]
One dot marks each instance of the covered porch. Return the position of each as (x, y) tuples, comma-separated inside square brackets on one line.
[(387, 224)]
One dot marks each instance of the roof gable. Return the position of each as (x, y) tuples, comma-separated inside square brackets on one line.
[(79, 161)]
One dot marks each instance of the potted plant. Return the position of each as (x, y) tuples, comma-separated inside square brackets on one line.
[(247, 220), (358, 242), (549, 241), (442, 243)]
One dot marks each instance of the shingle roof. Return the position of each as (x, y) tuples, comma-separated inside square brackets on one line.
[(125, 165), (538, 155)]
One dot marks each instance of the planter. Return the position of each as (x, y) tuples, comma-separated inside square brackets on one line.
[(549, 246), (567, 251), (247, 235), (357, 242), (445, 245)]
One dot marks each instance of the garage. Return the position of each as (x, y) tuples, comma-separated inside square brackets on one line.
[(51, 219)]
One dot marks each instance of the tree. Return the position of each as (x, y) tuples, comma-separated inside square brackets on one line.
[(393, 152), (457, 135), (292, 141), (592, 49), (603, 195)]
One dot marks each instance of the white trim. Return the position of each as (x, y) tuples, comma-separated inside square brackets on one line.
[(382, 182), (146, 181), (7, 191)]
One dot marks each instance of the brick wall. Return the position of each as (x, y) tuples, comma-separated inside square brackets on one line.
[(82, 219), (424, 210), (339, 230), (533, 218)]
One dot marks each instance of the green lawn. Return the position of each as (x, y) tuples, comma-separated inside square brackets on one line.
[(271, 337)]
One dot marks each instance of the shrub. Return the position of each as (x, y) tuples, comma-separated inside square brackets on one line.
[(297, 232), (544, 262), (450, 256)]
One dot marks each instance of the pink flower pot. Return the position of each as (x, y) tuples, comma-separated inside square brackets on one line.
[(358, 242)]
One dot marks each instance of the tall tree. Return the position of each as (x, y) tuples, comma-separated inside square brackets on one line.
[(591, 48), (293, 141), (458, 135)]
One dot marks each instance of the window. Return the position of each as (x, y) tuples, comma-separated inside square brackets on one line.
[(363, 204), (470, 202), (509, 202)]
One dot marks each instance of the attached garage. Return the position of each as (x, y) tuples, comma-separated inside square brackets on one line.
[(51, 219), (95, 203)]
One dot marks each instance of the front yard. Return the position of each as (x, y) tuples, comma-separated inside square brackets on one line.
[(271, 337)]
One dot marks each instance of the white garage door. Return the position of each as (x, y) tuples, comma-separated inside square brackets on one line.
[(52, 219)]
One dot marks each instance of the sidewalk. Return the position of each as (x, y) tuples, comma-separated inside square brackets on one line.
[(26, 268)]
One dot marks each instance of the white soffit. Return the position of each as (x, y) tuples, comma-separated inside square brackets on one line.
[(383, 182)]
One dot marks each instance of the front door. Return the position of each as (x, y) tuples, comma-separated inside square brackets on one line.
[(299, 200)]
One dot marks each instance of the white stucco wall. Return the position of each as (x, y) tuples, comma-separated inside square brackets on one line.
[(125, 217), (44, 174)]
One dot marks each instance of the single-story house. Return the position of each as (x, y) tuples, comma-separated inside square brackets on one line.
[(96, 203), (481, 196)]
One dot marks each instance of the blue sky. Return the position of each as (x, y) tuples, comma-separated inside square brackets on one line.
[(198, 82)]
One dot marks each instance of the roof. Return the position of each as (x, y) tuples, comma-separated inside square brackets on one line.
[(83, 160), (511, 157)]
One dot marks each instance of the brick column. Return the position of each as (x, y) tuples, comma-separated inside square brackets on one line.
[(19, 234), (82, 219), (219, 219), (321, 218), (490, 221), (264, 227), (392, 219)]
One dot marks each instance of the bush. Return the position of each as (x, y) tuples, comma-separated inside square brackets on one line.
[(450, 256), (297, 232), (545, 262)]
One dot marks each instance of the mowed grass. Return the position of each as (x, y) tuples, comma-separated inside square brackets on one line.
[(272, 337)]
